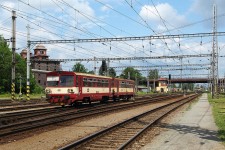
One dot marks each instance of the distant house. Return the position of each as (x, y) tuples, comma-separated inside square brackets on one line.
[(162, 85), (142, 88), (41, 67)]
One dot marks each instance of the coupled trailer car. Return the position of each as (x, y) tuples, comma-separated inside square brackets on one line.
[(71, 88)]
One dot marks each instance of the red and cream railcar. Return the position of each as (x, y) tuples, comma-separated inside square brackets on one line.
[(70, 88)]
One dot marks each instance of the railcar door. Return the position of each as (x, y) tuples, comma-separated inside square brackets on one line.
[(117, 87), (110, 87), (79, 85)]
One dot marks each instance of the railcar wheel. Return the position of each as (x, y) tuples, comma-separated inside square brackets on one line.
[(128, 98), (114, 98), (76, 104), (89, 102), (104, 99)]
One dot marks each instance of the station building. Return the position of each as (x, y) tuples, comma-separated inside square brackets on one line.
[(41, 63), (162, 85)]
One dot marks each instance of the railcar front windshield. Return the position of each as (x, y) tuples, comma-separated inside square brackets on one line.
[(52, 80), (66, 81), (63, 81)]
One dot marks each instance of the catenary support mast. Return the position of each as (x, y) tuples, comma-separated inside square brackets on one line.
[(214, 64), (13, 54), (28, 62)]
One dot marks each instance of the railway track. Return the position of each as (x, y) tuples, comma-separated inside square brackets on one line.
[(23, 107), (8, 102), (121, 135), (13, 117), (53, 118)]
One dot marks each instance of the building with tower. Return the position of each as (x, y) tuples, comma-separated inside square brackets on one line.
[(41, 63)]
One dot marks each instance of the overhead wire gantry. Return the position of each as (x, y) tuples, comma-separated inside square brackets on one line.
[(213, 34)]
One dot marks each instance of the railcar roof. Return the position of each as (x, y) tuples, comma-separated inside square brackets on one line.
[(92, 75), (86, 74)]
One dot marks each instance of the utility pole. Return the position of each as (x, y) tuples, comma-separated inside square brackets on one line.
[(13, 54), (20, 94), (214, 67), (108, 65), (28, 62), (148, 87), (154, 81), (181, 72), (95, 65), (136, 83)]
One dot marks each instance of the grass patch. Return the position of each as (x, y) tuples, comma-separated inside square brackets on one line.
[(8, 96), (219, 115), (139, 93)]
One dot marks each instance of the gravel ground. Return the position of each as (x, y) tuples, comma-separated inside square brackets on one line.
[(67, 133), (192, 129)]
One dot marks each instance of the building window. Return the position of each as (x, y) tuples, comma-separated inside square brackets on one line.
[(39, 81), (42, 52)]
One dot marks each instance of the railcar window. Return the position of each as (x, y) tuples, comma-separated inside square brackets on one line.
[(106, 83), (129, 85), (66, 80), (99, 83), (122, 84), (52, 81), (90, 84), (85, 82), (94, 82)]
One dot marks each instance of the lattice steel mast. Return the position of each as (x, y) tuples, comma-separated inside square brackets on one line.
[(214, 64)]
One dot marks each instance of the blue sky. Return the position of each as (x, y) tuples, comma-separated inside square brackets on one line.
[(72, 19)]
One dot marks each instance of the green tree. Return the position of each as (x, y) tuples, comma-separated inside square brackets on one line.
[(78, 67), (112, 72), (153, 74), (133, 73), (188, 86), (91, 72), (6, 70), (103, 68), (5, 66)]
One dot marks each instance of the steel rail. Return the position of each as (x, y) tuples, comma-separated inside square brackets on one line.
[(150, 124), (28, 106), (58, 118), (104, 131), (12, 117)]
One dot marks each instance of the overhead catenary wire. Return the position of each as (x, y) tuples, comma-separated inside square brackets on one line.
[(86, 16), (46, 13), (139, 49)]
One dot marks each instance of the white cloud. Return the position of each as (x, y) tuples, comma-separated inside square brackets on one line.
[(63, 19), (205, 9), (106, 8), (166, 11)]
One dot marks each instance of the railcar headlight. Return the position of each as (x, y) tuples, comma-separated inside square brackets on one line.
[(70, 91), (48, 91)]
